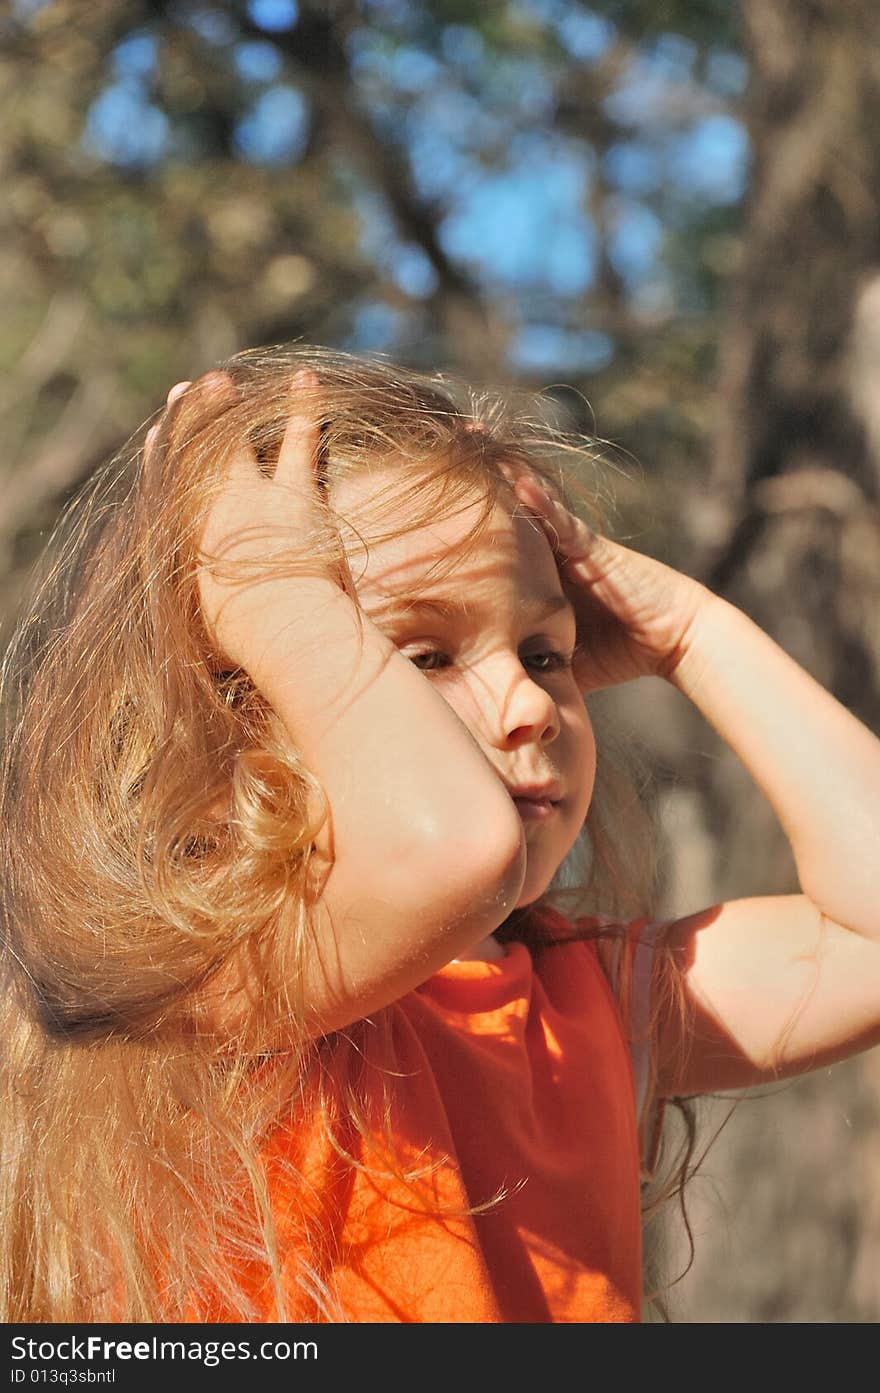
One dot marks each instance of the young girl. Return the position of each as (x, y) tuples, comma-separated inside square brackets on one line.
[(298, 768)]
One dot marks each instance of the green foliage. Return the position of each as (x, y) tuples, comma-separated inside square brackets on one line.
[(135, 189)]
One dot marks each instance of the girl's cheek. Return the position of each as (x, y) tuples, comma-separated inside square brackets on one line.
[(462, 700), (583, 736), (477, 709)]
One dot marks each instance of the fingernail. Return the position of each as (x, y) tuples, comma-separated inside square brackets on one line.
[(177, 390)]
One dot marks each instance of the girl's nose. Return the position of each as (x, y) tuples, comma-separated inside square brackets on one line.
[(519, 710)]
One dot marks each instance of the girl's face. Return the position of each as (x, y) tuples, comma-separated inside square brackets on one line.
[(495, 638)]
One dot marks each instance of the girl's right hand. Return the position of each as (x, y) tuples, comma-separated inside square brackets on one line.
[(253, 518), (635, 616)]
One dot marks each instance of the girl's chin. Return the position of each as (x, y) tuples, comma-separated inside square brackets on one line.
[(540, 871), (533, 888)]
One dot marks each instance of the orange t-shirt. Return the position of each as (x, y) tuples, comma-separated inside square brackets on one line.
[(511, 1078)]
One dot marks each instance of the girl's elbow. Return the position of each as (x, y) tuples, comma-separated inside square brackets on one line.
[(493, 863), (479, 861)]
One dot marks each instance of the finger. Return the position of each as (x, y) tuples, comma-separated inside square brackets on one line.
[(152, 434), (538, 505), (567, 533), (198, 402), (177, 391), (210, 393), (299, 447), (513, 472), (189, 404)]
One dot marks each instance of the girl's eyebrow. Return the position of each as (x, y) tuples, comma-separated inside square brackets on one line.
[(538, 608)]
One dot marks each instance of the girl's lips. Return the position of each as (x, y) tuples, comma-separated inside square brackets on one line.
[(535, 809)]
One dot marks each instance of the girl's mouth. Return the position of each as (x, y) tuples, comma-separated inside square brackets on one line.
[(535, 809)]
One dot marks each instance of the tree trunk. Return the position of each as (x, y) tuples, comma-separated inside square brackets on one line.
[(789, 1228)]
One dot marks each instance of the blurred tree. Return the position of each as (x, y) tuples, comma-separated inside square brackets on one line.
[(792, 501), (481, 190), (665, 208)]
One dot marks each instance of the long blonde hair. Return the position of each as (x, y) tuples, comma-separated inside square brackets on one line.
[(158, 830)]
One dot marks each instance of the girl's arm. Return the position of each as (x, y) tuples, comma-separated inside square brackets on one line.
[(426, 844), (778, 985), (793, 982)]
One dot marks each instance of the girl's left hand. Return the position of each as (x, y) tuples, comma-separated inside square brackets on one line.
[(635, 616)]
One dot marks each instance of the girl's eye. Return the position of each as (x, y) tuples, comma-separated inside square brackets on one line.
[(549, 661), (428, 661)]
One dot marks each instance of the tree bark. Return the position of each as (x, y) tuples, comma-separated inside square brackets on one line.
[(797, 1234)]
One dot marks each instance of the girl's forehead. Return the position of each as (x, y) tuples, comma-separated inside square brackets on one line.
[(511, 550)]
